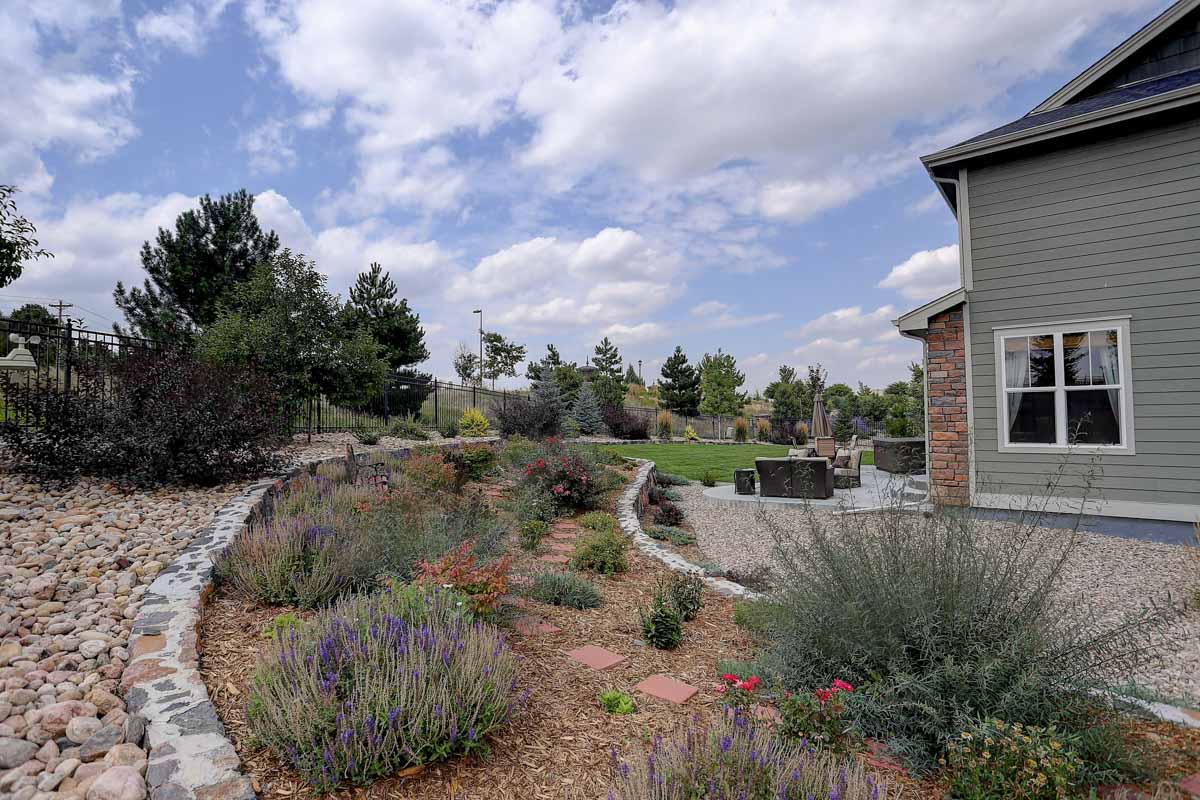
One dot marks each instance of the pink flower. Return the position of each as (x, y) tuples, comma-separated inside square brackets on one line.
[(823, 695), (841, 685)]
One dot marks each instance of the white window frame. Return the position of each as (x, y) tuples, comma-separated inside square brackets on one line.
[(1060, 389)]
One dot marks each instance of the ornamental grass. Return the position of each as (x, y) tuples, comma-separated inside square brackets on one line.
[(381, 683), (733, 759)]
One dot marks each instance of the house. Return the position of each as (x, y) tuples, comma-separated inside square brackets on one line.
[(1075, 335)]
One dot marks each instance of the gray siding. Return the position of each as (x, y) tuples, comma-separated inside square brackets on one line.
[(1105, 229)]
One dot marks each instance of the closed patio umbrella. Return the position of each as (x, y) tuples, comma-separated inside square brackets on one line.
[(821, 426)]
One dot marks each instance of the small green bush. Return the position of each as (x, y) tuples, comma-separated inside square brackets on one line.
[(753, 615), (450, 429), (685, 593), (365, 436), (662, 624), (616, 702), (533, 502), (671, 479), (667, 513), (531, 533), (408, 428), (474, 424), (280, 625), (665, 425), (602, 552), (518, 451), (599, 521), (564, 589), (995, 759), (669, 533), (710, 477), (473, 461), (689, 433), (741, 429), (670, 494)]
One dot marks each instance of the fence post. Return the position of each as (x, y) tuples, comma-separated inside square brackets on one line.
[(436, 421), (386, 387), (67, 359)]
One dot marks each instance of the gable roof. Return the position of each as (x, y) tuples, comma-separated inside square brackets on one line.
[(1107, 91)]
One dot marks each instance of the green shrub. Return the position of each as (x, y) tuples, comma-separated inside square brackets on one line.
[(586, 412), (602, 551), (732, 757), (817, 717), (365, 436), (741, 429), (474, 424), (450, 429), (517, 451), (669, 494), (531, 533), (408, 428), (381, 683), (564, 589), (762, 430), (599, 521), (281, 625), (472, 462), (684, 593), (670, 479), (531, 501), (951, 617), (616, 702), (995, 759), (669, 533), (409, 530), (754, 616), (667, 513), (662, 625), (570, 474), (665, 425), (689, 433), (537, 416), (710, 477)]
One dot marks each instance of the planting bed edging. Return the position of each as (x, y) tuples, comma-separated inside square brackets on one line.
[(190, 757), (629, 508)]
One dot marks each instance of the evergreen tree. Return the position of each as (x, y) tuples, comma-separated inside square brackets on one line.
[(719, 382), (632, 378), (548, 399), (679, 388), (193, 268), (843, 427), (608, 382), (586, 411), (374, 308), (500, 356), (564, 373), (791, 398), (17, 244)]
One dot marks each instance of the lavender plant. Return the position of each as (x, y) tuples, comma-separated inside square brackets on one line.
[(380, 683), (731, 758)]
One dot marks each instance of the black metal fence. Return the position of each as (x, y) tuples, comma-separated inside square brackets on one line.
[(63, 355)]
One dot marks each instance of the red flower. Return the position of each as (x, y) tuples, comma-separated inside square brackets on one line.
[(729, 678), (823, 695), (841, 685)]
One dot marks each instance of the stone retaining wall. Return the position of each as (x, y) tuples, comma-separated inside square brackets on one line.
[(190, 757), (633, 502)]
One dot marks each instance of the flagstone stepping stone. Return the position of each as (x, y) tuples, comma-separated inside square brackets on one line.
[(532, 626), (766, 713), (664, 687), (1191, 784), (514, 600), (555, 559), (595, 657), (559, 547), (565, 537)]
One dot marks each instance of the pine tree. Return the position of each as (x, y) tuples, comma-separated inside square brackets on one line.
[(719, 382), (608, 382), (843, 426), (587, 412), (679, 388), (373, 307), (631, 377), (548, 399)]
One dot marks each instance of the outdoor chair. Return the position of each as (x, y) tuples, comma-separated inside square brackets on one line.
[(826, 447), (850, 475), (794, 477)]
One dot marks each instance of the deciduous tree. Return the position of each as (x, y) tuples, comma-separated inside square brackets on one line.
[(17, 245), (500, 356), (719, 383)]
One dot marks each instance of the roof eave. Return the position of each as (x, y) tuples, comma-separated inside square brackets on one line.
[(918, 318), (1084, 80), (1053, 130)]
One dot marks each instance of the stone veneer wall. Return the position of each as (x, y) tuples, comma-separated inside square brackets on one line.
[(948, 436)]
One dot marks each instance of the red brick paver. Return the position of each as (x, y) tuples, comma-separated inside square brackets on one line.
[(596, 657), (532, 626), (665, 687), (1191, 784)]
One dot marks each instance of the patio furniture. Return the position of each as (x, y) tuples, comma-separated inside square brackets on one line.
[(801, 452), (905, 456), (826, 447), (795, 477), (743, 481), (849, 476)]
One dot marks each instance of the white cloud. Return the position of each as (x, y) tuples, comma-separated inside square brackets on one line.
[(931, 201), (716, 314), (709, 307), (269, 146), (634, 334), (855, 345), (184, 26), (849, 321), (925, 274)]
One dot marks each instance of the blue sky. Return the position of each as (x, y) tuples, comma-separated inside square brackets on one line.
[(714, 174)]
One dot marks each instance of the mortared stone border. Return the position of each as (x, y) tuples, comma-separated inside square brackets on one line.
[(190, 756)]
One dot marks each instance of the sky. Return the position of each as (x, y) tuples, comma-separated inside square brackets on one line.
[(704, 173)]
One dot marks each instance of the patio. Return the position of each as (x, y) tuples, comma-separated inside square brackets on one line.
[(877, 489)]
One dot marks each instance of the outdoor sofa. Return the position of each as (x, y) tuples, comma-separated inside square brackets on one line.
[(795, 477)]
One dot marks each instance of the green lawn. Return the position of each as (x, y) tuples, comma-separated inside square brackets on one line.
[(692, 460)]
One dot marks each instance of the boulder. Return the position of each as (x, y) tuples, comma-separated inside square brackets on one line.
[(118, 783), (15, 752)]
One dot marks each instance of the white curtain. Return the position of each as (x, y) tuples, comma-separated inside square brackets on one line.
[(1016, 374), (1110, 364)]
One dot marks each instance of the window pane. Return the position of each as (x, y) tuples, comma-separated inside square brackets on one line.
[(1031, 418), (1028, 361), (1094, 416), (1077, 359)]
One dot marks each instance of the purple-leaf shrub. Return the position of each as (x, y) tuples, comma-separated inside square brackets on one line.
[(733, 758), (380, 683)]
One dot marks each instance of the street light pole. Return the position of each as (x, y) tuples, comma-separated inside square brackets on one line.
[(640, 378), (479, 311)]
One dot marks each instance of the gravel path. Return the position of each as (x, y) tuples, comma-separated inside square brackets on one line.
[(74, 566), (324, 445), (1112, 574)]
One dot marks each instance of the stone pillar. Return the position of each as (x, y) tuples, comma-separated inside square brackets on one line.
[(948, 437)]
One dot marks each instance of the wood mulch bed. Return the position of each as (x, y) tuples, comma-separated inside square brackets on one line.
[(560, 746)]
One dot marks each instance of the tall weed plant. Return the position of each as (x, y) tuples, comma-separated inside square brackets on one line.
[(947, 617)]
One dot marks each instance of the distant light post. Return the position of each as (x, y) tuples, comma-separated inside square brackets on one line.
[(640, 378), (479, 311)]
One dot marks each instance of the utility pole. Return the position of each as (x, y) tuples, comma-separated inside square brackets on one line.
[(61, 306)]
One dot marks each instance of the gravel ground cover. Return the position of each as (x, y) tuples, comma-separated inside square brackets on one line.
[(75, 564), (324, 445), (1114, 575)]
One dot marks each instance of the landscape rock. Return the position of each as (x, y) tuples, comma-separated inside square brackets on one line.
[(98, 745), (118, 783), (15, 752), (80, 729)]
